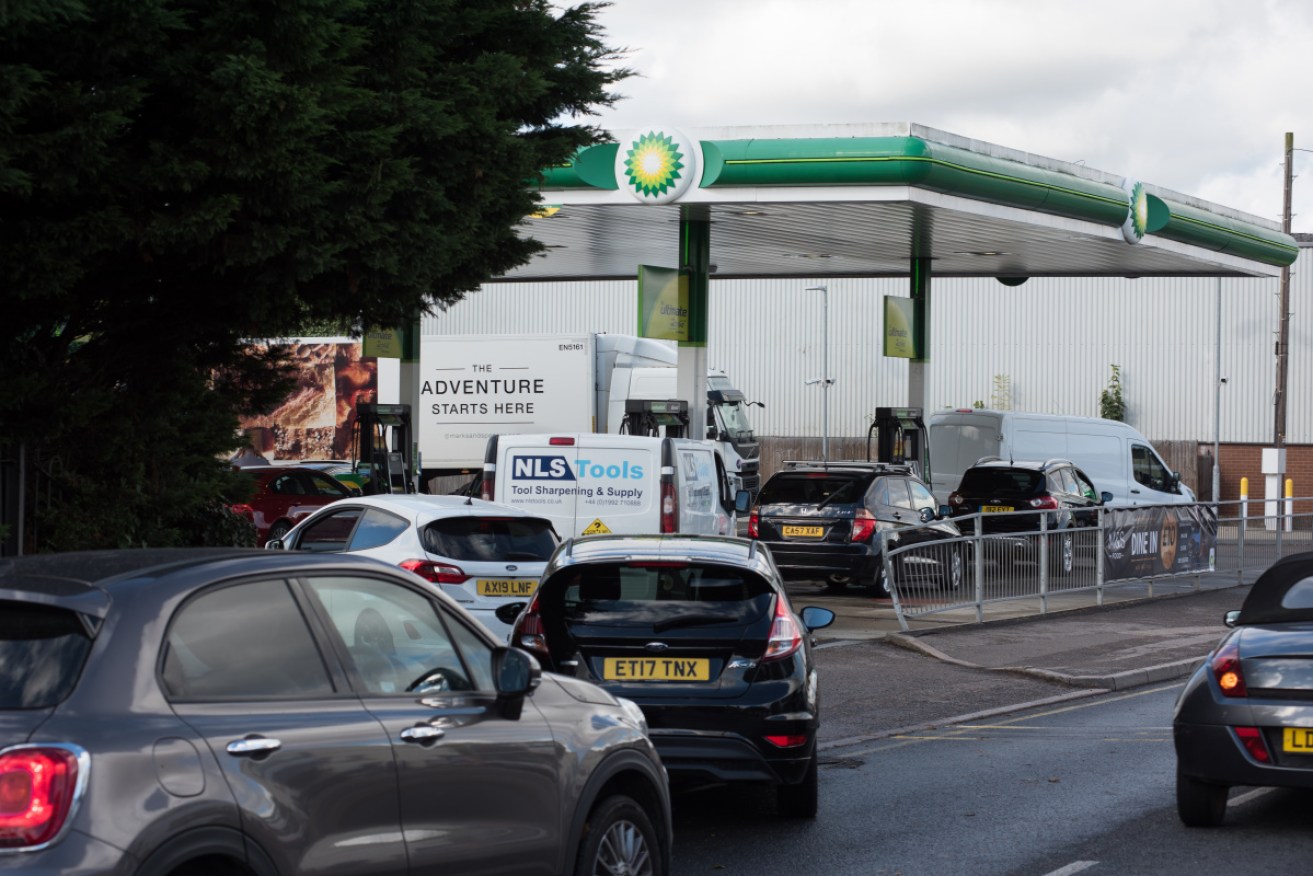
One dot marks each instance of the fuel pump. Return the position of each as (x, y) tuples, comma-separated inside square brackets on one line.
[(649, 417), (900, 438), (381, 448)]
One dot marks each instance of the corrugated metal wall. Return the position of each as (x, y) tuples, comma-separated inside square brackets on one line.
[(1052, 339)]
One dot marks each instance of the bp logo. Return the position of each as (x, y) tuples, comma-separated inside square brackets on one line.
[(1137, 215), (656, 166)]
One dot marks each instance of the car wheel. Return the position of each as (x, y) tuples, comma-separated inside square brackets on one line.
[(619, 838), (800, 800), (837, 583), (1199, 804), (883, 590), (279, 529), (956, 569), (1062, 553)]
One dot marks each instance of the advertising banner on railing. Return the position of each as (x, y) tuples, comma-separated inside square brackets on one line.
[(1159, 540)]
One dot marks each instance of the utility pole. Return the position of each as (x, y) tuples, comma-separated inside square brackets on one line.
[(1283, 329)]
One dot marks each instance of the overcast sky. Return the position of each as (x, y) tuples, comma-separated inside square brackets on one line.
[(1192, 95)]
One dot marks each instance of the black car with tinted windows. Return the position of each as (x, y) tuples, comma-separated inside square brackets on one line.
[(700, 633), (824, 521), (264, 713), (1020, 497)]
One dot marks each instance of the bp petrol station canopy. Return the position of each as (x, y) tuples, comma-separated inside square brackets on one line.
[(868, 200)]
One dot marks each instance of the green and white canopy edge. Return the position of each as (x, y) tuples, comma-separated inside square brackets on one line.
[(870, 200)]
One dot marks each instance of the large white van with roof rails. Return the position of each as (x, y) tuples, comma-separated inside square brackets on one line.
[(1117, 458), (590, 483)]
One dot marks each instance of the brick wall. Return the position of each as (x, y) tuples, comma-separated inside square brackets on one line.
[(1246, 461)]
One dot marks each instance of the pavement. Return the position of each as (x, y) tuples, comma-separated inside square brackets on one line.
[(879, 680)]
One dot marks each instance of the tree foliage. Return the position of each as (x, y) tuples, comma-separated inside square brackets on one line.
[(179, 175), (1112, 406)]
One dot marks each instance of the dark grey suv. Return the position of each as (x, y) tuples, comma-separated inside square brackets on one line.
[(255, 712)]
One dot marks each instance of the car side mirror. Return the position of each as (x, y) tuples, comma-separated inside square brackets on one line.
[(1232, 617), (356, 491), (516, 673), (927, 515), (816, 618), (742, 501), (1105, 497), (945, 511), (275, 544)]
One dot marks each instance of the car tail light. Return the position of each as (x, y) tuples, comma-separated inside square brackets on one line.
[(529, 632), (489, 484), (863, 526), (243, 510), (438, 573), (956, 500), (785, 637), (790, 740), (37, 792), (1226, 669), (1252, 739), (669, 506), (1048, 503), (753, 522)]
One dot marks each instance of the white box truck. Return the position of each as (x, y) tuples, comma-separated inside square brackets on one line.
[(600, 484), (1116, 457), (475, 386)]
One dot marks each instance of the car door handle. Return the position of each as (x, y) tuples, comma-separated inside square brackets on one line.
[(423, 733), (254, 746)]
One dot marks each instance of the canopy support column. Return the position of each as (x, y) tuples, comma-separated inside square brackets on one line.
[(916, 366), (695, 263)]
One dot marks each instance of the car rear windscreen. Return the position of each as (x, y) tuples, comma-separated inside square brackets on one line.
[(664, 596), (978, 481), (815, 488), (491, 539), (42, 649)]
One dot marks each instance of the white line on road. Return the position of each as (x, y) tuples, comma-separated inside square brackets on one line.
[(1250, 795), (1073, 867)]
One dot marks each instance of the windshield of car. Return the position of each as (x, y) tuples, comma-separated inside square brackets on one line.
[(1000, 481), (490, 539), (42, 649), (814, 488), (664, 596)]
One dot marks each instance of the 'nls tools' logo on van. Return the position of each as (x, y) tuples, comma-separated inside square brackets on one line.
[(557, 468)]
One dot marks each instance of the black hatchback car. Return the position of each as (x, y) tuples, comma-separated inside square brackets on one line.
[(1019, 497), (698, 631), (263, 713), (823, 521)]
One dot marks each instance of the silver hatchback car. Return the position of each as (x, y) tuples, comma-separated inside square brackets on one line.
[(263, 713)]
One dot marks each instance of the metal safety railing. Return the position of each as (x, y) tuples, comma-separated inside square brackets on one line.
[(1038, 558)]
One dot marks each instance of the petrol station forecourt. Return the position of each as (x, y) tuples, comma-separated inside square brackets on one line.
[(876, 200)]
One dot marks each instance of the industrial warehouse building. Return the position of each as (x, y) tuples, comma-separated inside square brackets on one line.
[(1047, 345)]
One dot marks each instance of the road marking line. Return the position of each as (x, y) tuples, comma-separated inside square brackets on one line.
[(1250, 795), (1073, 867)]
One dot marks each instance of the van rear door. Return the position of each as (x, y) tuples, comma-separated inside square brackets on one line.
[(539, 476)]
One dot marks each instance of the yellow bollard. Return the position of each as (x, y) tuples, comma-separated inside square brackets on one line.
[(1290, 488), (1244, 489)]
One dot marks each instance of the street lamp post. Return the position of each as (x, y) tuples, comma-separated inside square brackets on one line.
[(824, 380)]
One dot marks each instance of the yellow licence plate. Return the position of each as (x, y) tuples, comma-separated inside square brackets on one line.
[(992, 509), (506, 586), (656, 669), (1297, 740), (803, 531)]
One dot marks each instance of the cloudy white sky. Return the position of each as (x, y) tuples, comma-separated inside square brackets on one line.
[(1193, 95)]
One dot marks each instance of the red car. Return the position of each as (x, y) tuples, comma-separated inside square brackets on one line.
[(284, 496)]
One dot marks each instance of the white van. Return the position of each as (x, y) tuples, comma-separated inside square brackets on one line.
[(594, 484), (1117, 458)]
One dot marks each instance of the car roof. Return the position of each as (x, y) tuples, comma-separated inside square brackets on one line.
[(425, 504), (1035, 464), (697, 548)]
